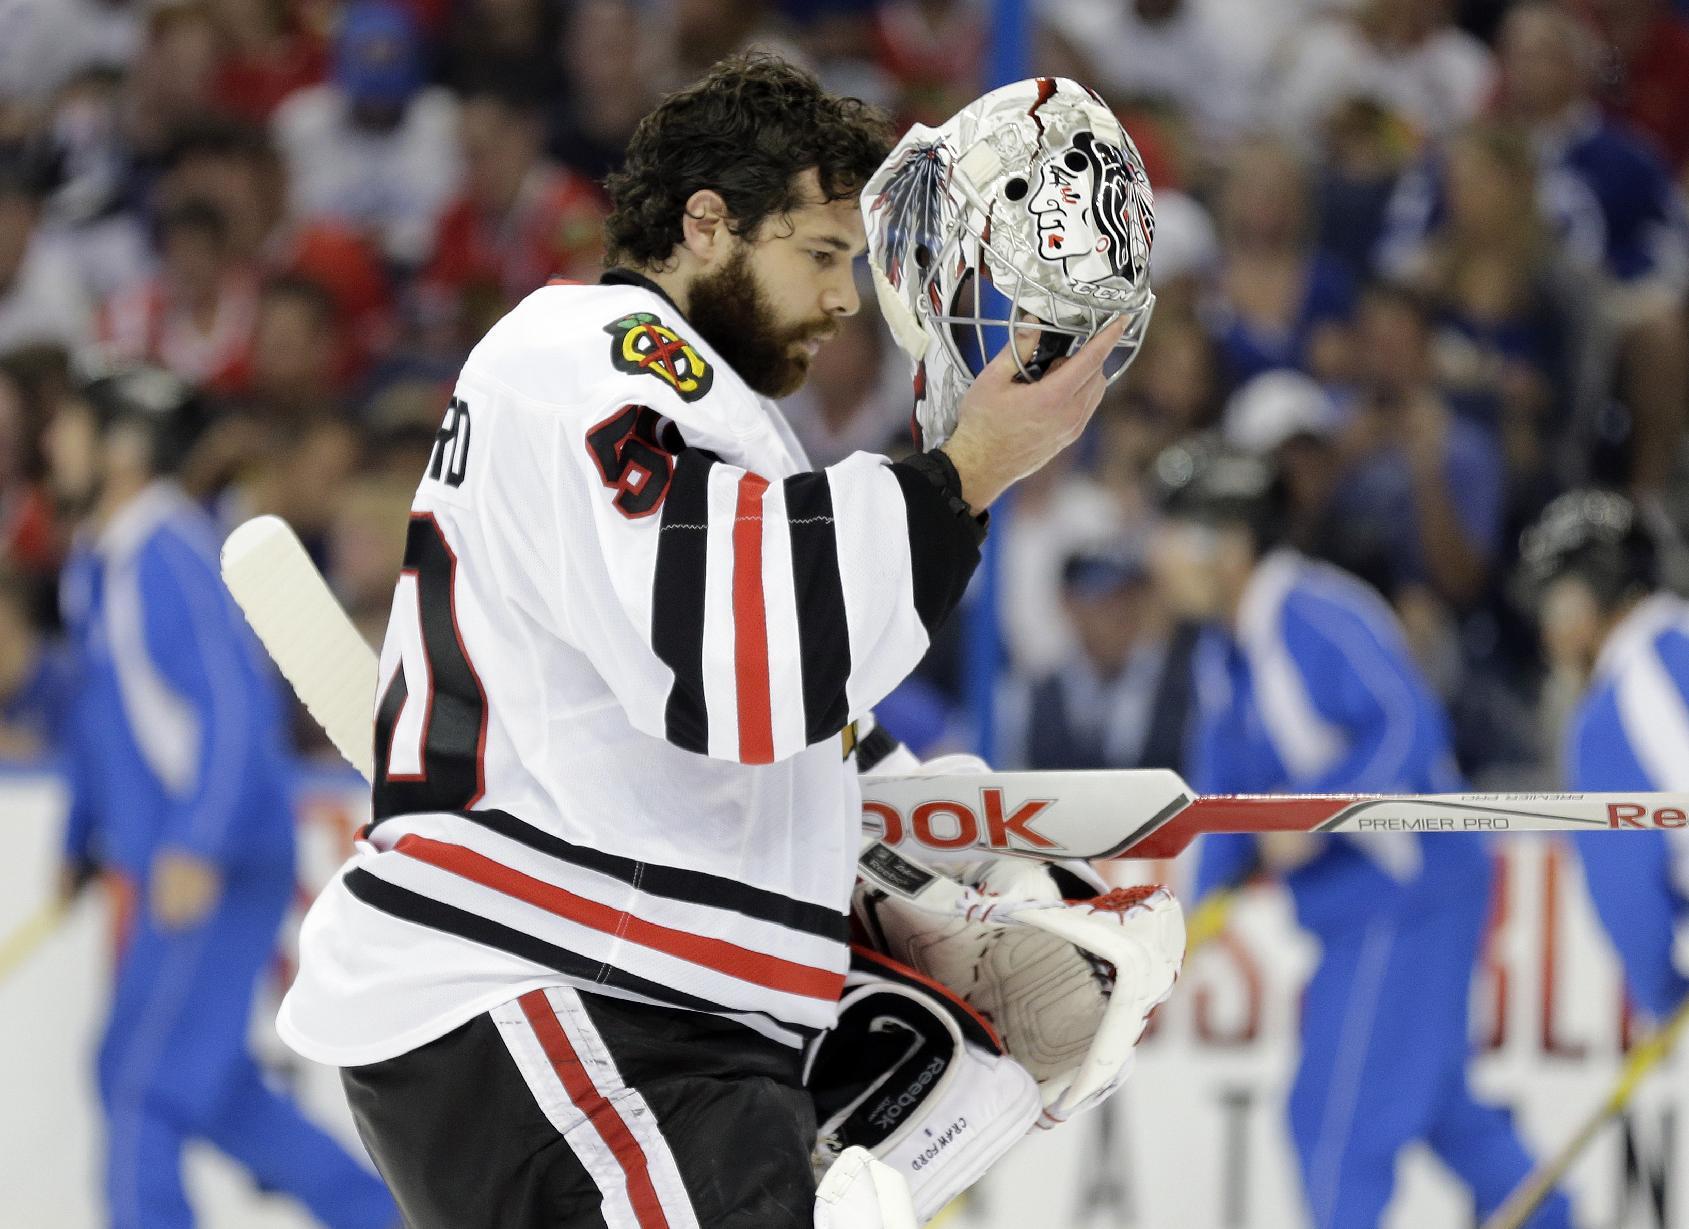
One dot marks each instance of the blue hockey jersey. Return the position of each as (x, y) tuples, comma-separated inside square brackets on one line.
[(1631, 732), (1317, 693), (177, 727)]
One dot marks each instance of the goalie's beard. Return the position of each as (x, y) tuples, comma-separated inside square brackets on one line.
[(731, 312)]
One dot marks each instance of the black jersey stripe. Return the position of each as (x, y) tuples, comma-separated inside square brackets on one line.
[(409, 906), (673, 882), (678, 586), (823, 634)]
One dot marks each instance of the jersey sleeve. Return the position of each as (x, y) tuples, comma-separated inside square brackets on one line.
[(191, 636), (743, 616)]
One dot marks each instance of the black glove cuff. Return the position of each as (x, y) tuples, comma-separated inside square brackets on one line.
[(940, 470)]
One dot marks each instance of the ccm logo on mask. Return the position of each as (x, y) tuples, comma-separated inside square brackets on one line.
[(947, 824), (1635, 815)]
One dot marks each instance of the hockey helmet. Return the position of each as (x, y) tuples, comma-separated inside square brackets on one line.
[(167, 409), (1595, 535), (1028, 213), (1206, 480)]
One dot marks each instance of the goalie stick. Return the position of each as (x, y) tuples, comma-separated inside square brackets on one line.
[(1130, 813), (23, 940)]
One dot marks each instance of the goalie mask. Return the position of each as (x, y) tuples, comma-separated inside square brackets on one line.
[(1027, 214)]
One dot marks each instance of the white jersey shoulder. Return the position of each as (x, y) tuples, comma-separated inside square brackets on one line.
[(580, 348)]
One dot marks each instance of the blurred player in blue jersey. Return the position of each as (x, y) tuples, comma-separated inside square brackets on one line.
[(1588, 568), (1304, 685), (177, 760)]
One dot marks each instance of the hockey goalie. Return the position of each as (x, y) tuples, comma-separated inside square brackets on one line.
[(613, 950)]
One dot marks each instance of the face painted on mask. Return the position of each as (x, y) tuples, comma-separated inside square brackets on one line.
[(1085, 213)]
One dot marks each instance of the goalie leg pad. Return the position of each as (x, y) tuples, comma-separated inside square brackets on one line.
[(912, 1075)]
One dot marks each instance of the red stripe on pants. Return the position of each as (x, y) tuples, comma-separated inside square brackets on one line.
[(750, 628), (606, 1119)]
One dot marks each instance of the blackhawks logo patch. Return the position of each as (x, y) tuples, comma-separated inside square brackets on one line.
[(642, 343)]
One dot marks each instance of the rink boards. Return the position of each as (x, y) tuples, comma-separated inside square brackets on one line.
[(1195, 1141)]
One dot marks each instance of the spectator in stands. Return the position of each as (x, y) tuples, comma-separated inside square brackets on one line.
[(296, 373), (47, 42), (1123, 697), (32, 535), (1290, 419), (1175, 389), (1420, 503), (196, 316), (290, 446), (41, 296), (233, 166), (1608, 184), (1362, 154), (519, 220), (1281, 302), (27, 538), (91, 213), (1186, 252), (1507, 303), (1644, 80), (505, 45), (236, 167), (933, 51), (1171, 52), (709, 30), (1407, 56), (366, 547), (170, 83), (268, 50), (375, 146), (612, 80), (36, 677)]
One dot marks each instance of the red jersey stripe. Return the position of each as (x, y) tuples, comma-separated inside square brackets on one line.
[(759, 968), (750, 628), (603, 1115)]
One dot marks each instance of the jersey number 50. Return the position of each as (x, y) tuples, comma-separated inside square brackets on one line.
[(632, 459), (431, 723)]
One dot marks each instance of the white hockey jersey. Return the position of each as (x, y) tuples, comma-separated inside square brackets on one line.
[(624, 654)]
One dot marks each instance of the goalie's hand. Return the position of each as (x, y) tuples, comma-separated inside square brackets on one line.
[(1007, 429), (1138, 933), (1067, 971)]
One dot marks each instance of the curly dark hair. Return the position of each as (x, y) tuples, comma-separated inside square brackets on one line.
[(746, 129)]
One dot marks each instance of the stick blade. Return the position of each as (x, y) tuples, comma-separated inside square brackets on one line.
[(315, 646)]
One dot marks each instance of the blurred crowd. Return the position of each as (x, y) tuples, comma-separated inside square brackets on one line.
[(1431, 255)]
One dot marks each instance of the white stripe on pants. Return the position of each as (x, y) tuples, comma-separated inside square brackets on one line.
[(607, 1124)]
